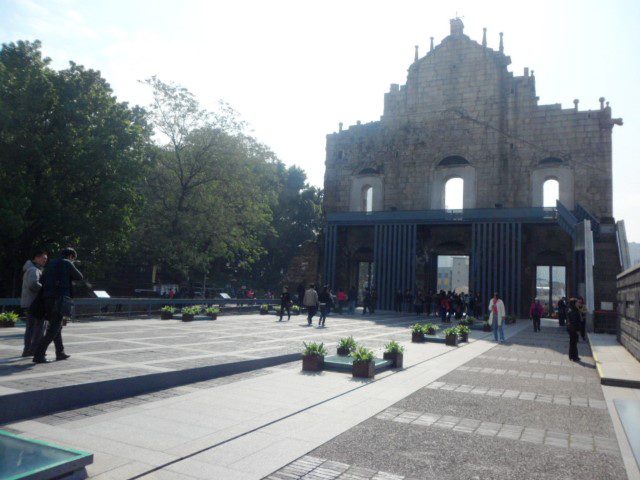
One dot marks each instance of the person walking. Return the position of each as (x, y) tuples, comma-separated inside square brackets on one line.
[(31, 288), (352, 298), (325, 300), (418, 303), (300, 292), (285, 303), (366, 302), (397, 301), (535, 313), (57, 292), (562, 311), (574, 326), (310, 301), (496, 316)]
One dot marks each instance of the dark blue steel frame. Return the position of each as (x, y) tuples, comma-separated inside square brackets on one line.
[(496, 252)]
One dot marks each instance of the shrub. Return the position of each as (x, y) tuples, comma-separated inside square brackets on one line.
[(362, 354), (430, 328), (451, 331), (264, 307), (9, 317), (192, 310), (417, 328), (349, 343), (463, 329), (295, 309), (168, 309), (393, 347), (213, 310), (313, 348), (467, 321)]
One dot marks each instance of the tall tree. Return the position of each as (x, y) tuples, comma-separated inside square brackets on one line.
[(208, 193), (71, 158), (297, 217)]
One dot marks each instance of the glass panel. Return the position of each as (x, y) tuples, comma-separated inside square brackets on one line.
[(542, 285), (19, 457), (453, 273), (559, 287), (550, 193)]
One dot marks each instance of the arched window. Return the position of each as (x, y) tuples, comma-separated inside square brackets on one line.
[(367, 198), (454, 194), (550, 192)]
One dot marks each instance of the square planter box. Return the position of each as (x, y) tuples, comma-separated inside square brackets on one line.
[(4, 324), (364, 369), (166, 315), (343, 352), (464, 337), (312, 363), (417, 337), (186, 317), (213, 316), (486, 328), (263, 312), (396, 358), (451, 340)]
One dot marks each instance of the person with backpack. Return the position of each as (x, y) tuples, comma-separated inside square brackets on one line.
[(311, 302), (325, 301), (535, 313), (57, 292), (31, 292), (285, 303)]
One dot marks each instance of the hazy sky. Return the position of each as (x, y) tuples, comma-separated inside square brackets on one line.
[(294, 69)]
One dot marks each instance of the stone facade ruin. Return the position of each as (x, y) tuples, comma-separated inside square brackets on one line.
[(463, 114)]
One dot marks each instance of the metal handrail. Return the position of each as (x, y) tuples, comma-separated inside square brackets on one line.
[(126, 306)]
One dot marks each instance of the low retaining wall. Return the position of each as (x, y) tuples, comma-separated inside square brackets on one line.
[(629, 309), (25, 405)]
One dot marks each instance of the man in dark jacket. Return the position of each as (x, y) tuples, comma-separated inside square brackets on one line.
[(57, 291), (574, 327)]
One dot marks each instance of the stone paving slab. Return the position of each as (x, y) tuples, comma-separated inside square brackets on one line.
[(616, 366), (134, 347), (476, 422)]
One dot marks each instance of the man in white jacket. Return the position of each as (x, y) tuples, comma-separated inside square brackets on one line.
[(496, 316)]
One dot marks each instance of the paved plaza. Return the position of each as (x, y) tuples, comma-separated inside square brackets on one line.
[(477, 411)]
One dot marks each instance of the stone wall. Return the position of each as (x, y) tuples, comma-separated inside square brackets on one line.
[(460, 99), (628, 310)]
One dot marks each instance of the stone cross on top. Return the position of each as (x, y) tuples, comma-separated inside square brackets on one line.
[(457, 27)]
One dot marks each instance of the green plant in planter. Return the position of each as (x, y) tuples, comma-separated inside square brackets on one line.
[(264, 307), (362, 354), (430, 328), (192, 310), (9, 318), (363, 363), (394, 351), (295, 309), (417, 328), (277, 310), (451, 331), (313, 348), (467, 321), (168, 309), (393, 347), (463, 329), (347, 345), (313, 356), (213, 310)]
